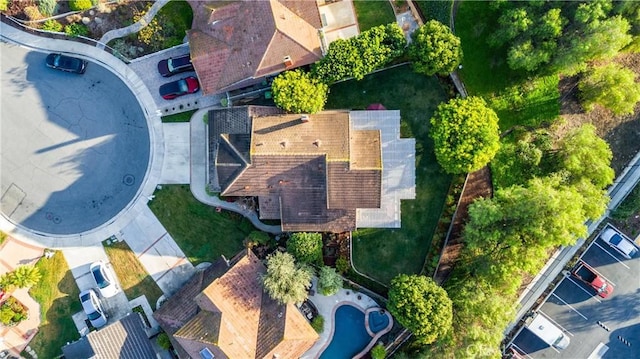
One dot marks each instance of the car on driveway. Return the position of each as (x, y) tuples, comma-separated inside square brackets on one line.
[(104, 279), (66, 63), (617, 241), (175, 65), (179, 88), (92, 308)]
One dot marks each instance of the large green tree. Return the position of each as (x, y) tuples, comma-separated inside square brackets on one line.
[(306, 247), (435, 49), (421, 306), (466, 134), (610, 86), (296, 91), (285, 281)]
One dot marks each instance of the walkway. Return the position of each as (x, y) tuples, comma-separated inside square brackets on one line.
[(133, 28)]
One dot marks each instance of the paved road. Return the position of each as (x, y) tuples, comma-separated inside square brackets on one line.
[(75, 148)]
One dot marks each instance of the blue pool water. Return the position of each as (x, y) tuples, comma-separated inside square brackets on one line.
[(350, 336), (377, 321)]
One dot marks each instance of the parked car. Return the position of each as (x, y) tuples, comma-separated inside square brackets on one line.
[(548, 332), (179, 88), (104, 279), (619, 242), (66, 63), (588, 275), (175, 65), (93, 308)]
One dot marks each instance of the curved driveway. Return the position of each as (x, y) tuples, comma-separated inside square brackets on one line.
[(75, 148)]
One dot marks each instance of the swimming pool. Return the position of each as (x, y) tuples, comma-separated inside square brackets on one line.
[(378, 321), (350, 336)]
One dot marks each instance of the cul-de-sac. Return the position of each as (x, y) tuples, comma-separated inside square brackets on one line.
[(333, 179)]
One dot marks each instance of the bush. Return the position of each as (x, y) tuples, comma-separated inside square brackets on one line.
[(378, 352), (296, 91), (77, 5), (76, 29), (318, 324), (32, 13), (4, 4), (48, 7), (258, 238), (163, 341), (12, 312), (329, 282), (52, 25), (342, 265)]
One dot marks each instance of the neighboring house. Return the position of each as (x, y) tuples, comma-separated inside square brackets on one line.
[(223, 312), (236, 43), (333, 171), (124, 339)]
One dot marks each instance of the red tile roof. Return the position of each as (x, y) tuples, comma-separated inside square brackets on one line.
[(234, 41)]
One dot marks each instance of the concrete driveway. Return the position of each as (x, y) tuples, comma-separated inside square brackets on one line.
[(75, 148)]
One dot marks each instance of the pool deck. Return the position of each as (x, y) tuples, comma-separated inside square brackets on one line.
[(327, 306)]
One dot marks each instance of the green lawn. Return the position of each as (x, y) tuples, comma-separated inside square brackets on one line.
[(202, 233), (439, 10), (179, 117), (384, 253), (371, 13), (57, 294), (134, 279)]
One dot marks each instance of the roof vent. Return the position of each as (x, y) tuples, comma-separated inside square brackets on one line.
[(304, 118), (287, 61), (283, 144), (317, 143)]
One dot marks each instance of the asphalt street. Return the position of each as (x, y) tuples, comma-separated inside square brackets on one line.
[(75, 148), (597, 327)]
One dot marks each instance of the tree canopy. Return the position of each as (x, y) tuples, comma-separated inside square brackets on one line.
[(329, 281), (306, 247), (285, 281), (465, 133), (435, 49), (296, 91), (610, 86), (421, 306)]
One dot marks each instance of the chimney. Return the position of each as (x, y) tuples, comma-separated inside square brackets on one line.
[(287, 62), (304, 118)]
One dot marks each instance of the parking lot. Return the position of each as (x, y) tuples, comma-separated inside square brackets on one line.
[(597, 327)]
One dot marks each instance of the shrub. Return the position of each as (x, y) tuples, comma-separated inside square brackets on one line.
[(32, 13), (258, 238), (342, 265), (76, 29), (4, 4), (12, 312), (318, 324), (52, 25), (77, 5), (329, 282), (48, 7), (378, 352), (295, 91), (163, 341)]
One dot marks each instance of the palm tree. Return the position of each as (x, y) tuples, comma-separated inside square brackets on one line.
[(26, 276)]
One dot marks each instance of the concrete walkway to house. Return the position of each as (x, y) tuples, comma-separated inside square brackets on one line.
[(199, 168), (14, 253)]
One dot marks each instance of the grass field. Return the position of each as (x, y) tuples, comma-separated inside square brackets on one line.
[(57, 294), (436, 10), (384, 253), (372, 13), (134, 279), (202, 233), (179, 117)]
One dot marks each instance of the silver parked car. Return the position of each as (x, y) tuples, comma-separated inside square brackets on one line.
[(104, 278), (619, 242), (92, 308)]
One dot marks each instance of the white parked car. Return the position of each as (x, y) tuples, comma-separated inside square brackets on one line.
[(92, 308), (619, 242), (104, 278)]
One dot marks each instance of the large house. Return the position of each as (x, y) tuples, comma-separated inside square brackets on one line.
[(223, 312), (333, 171), (236, 43)]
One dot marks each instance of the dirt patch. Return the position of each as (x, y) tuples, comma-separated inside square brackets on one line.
[(620, 132)]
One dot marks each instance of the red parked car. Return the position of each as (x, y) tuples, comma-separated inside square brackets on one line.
[(179, 88)]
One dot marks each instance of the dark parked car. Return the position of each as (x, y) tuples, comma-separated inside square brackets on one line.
[(171, 66), (178, 88), (66, 63)]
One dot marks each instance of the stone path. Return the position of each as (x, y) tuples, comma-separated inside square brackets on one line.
[(133, 28)]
